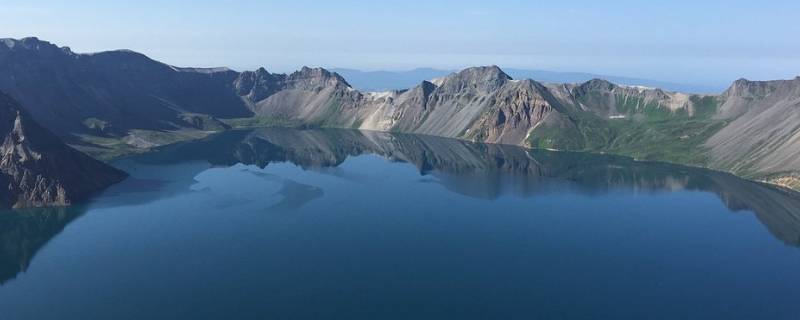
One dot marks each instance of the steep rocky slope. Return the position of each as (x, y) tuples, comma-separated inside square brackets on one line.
[(314, 96), (37, 169), (763, 137)]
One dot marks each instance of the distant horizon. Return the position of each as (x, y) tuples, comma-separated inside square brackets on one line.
[(233, 66), (712, 43)]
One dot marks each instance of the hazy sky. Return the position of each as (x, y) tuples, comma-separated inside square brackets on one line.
[(704, 42)]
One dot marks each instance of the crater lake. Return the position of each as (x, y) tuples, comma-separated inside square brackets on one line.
[(344, 224)]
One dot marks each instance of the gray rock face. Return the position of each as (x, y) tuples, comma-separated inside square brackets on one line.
[(37, 169), (314, 96), (763, 136)]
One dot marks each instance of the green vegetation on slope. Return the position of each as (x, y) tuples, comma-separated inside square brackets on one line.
[(137, 141), (672, 140), (633, 105), (649, 132)]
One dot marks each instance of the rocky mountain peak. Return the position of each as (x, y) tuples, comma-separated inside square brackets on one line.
[(257, 85), (598, 84), (32, 44), (483, 73), (739, 87), (261, 71), (37, 169), (15, 148), (320, 73), (485, 79), (316, 77), (758, 89)]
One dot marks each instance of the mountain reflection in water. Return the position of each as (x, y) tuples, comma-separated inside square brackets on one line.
[(470, 169), (489, 170)]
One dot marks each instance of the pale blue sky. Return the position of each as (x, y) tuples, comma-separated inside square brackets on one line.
[(704, 42)]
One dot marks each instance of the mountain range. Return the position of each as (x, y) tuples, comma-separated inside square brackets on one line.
[(122, 101), (398, 80), (746, 130)]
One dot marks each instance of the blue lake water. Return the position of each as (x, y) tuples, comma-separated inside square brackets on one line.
[(337, 224)]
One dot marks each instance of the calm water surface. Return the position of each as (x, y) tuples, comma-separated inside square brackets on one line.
[(289, 224)]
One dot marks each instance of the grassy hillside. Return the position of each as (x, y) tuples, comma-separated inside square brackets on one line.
[(647, 132)]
